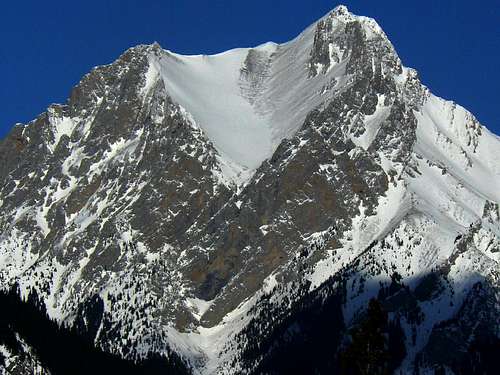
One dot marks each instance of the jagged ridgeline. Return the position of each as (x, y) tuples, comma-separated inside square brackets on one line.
[(306, 207)]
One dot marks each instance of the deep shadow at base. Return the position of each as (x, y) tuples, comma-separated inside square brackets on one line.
[(63, 350)]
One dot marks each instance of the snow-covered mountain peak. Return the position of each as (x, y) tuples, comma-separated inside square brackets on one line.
[(340, 10), (247, 100), (354, 182), (341, 15)]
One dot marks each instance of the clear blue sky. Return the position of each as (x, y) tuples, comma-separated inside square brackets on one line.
[(46, 46)]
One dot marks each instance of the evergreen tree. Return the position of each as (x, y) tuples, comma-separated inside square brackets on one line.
[(368, 352)]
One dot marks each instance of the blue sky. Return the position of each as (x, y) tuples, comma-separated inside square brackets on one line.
[(47, 46)]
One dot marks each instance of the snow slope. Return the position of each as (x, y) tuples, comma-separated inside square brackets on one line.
[(247, 100), (207, 87)]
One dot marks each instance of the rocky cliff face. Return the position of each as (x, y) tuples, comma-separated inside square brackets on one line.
[(229, 207)]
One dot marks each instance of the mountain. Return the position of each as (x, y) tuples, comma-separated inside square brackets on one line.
[(306, 207)]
